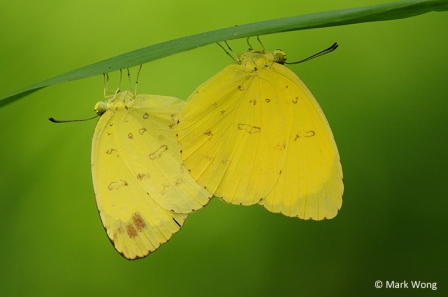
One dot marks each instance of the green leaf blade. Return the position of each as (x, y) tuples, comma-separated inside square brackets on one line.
[(374, 13)]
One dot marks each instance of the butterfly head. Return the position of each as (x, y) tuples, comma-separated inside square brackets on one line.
[(279, 56), (100, 107)]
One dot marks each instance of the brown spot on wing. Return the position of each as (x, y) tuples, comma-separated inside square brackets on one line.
[(249, 129), (145, 116), (310, 133), (158, 153), (117, 185), (139, 223), (110, 151), (142, 130), (130, 230), (182, 168), (142, 176), (164, 188), (179, 182), (280, 146), (130, 136), (306, 134)]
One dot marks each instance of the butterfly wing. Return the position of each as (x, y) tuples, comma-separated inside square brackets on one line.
[(132, 188), (231, 135), (150, 145), (310, 185), (254, 133)]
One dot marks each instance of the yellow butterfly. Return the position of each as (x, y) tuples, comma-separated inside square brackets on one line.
[(254, 133), (143, 192)]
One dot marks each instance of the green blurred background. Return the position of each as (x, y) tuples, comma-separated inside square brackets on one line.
[(384, 92)]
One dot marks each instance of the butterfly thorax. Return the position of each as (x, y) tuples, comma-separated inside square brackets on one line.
[(259, 59), (256, 59)]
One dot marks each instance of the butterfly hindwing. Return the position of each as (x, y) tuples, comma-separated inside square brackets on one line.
[(143, 193), (254, 133), (227, 129), (310, 186)]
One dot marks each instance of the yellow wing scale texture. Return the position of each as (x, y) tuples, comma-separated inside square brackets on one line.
[(254, 133), (143, 191)]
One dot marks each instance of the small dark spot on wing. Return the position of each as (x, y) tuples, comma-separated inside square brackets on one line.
[(142, 130)]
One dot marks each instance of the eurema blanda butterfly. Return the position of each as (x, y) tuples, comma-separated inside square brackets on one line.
[(143, 191), (254, 133)]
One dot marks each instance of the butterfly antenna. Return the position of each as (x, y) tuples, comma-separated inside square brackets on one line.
[(234, 57), (70, 121), (324, 52)]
